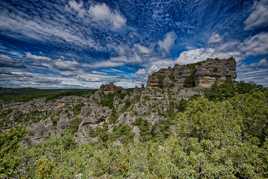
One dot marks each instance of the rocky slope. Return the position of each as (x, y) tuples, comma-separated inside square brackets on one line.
[(111, 108)]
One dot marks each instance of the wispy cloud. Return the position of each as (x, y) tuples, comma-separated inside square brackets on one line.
[(258, 44), (66, 64), (77, 7), (168, 41), (102, 13), (43, 31), (215, 38), (255, 45), (201, 54), (254, 72), (6, 61), (258, 17), (142, 49), (98, 13), (31, 56), (60, 73)]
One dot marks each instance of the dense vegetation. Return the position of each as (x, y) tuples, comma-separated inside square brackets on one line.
[(27, 94), (223, 134)]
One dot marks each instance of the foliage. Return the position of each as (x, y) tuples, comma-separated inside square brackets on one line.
[(27, 94), (145, 129), (77, 108), (9, 144), (254, 109), (107, 100), (122, 132), (229, 89), (74, 125), (44, 168), (220, 135)]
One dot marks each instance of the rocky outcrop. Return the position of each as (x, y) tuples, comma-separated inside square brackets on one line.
[(203, 74), (86, 117), (110, 88), (92, 115)]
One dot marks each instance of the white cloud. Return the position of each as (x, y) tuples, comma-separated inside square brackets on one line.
[(259, 16), (98, 13), (142, 49), (104, 64), (129, 83), (168, 41), (36, 57), (116, 62), (263, 62), (102, 13), (69, 74), (141, 72), (201, 54), (65, 64), (134, 59), (77, 7), (9, 61), (255, 45), (5, 58), (93, 77), (215, 38), (43, 30), (52, 64), (156, 64), (254, 72), (258, 44)]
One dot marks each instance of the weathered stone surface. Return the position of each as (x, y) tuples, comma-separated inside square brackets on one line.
[(65, 118), (202, 74), (39, 131), (92, 116), (110, 88)]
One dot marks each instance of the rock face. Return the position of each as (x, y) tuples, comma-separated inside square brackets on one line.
[(110, 88), (92, 116), (202, 74)]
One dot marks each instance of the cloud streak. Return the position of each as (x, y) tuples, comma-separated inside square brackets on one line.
[(258, 17), (43, 31)]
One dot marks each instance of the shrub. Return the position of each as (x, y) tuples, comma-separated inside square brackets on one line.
[(10, 157)]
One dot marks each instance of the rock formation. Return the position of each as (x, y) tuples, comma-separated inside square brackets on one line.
[(110, 88), (203, 74), (112, 106)]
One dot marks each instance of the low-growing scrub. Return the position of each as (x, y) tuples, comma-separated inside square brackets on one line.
[(221, 135)]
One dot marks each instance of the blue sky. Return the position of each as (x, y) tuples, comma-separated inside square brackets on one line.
[(82, 44)]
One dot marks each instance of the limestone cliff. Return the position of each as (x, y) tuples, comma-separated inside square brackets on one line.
[(203, 74)]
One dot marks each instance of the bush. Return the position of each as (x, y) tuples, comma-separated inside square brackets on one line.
[(10, 156), (230, 89)]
